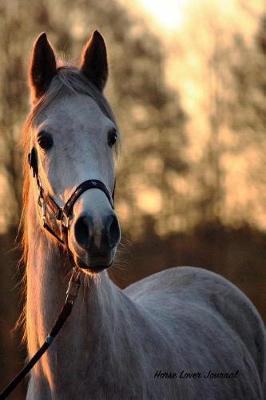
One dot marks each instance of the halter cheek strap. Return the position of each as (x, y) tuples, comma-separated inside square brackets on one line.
[(56, 218)]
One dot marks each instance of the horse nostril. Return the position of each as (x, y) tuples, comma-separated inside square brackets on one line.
[(83, 230), (113, 231)]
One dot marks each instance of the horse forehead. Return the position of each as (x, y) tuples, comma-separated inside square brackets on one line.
[(73, 112)]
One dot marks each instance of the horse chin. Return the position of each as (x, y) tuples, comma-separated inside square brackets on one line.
[(93, 264)]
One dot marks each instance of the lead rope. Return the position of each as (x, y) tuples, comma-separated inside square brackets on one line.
[(71, 295)]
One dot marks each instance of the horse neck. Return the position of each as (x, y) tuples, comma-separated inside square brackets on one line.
[(89, 325)]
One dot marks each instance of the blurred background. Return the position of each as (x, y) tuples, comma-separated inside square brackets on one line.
[(188, 86)]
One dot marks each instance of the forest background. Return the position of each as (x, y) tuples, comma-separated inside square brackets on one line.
[(188, 86)]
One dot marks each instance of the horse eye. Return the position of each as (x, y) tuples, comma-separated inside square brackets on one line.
[(112, 137), (45, 140)]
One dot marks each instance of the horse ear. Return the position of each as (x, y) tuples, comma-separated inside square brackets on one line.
[(43, 66), (94, 60)]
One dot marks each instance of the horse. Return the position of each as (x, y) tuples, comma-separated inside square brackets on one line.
[(180, 334)]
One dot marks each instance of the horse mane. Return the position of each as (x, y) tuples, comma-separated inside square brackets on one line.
[(68, 80)]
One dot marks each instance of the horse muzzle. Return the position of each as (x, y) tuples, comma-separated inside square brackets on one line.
[(95, 241)]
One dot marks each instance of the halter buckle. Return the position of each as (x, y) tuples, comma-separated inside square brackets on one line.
[(64, 221)]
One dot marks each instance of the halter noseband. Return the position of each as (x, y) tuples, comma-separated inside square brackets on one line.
[(56, 218)]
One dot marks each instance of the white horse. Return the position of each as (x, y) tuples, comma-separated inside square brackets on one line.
[(184, 333)]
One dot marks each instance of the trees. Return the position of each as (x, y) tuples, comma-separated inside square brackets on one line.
[(228, 120), (248, 118)]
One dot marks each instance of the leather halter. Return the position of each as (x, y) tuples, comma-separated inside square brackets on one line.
[(56, 219)]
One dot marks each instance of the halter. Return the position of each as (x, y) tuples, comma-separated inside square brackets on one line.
[(59, 218), (56, 219)]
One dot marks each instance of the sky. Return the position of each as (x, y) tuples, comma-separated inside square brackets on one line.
[(172, 15), (169, 14)]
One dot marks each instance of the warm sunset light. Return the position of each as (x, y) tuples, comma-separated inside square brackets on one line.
[(170, 14), (149, 201), (132, 143)]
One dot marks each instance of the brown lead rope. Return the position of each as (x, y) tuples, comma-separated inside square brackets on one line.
[(71, 295)]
